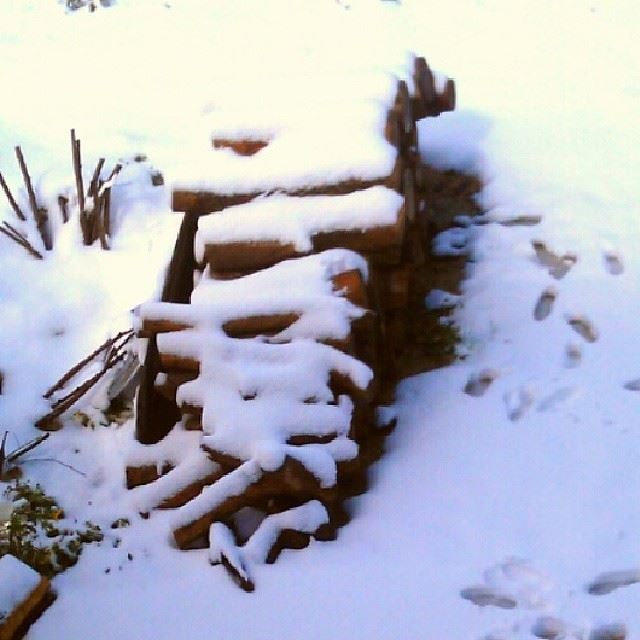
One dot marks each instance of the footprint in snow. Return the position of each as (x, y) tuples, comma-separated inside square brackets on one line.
[(544, 306), (558, 266), (478, 383), (583, 327), (558, 397), (483, 596), (518, 402), (611, 580), (549, 628), (613, 263), (632, 385), (521, 581), (615, 631), (572, 356)]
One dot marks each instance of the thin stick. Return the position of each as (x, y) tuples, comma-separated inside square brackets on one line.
[(12, 202), (107, 211), (13, 234), (25, 448), (64, 464), (85, 361), (27, 181), (39, 213), (77, 168), (93, 186)]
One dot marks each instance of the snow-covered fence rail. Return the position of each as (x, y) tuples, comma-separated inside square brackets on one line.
[(282, 316)]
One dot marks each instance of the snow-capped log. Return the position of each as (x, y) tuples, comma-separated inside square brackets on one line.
[(247, 485), (202, 198), (274, 228), (24, 595)]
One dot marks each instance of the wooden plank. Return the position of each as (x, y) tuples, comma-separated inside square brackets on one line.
[(241, 146)]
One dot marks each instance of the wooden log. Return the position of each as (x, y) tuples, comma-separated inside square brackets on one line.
[(351, 283), (145, 474), (367, 241), (14, 623), (201, 202), (242, 147), (243, 255), (291, 479), (260, 324)]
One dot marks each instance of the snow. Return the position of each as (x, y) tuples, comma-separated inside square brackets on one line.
[(533, 510), (17, 582)]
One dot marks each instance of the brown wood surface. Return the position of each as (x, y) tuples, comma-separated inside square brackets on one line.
[(242, 147), (17, 622)]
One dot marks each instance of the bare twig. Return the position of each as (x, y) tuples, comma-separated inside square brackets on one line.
[(93, 186), (27, 181), (60, 406), (12, 233), (64, 464), (39, 213), (25, 448), (10, 198), (107, 344), (63, 203)]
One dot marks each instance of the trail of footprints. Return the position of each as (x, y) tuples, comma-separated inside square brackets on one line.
[(516, 584), (519, 401)]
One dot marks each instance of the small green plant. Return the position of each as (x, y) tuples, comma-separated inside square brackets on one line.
[(36, 532)]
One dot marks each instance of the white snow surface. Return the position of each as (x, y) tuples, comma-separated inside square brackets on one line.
[(17, 583), (490, 515)]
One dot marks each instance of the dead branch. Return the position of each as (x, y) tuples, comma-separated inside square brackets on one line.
[(39, 213), (60, 406), (12, 233), (107, 344), (77, 168), (10, 198), (25, 448)]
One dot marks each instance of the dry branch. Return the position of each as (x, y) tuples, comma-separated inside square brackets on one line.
[(107, 344), (39, 213), (12, 233), (10, 198)]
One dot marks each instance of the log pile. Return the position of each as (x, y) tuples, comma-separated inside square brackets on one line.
[(277, 338)]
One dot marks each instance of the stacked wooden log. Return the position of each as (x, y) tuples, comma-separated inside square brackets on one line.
[(24, 595), (278, 335)]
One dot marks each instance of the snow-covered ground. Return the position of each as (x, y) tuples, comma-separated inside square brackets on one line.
[(494, 513)]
